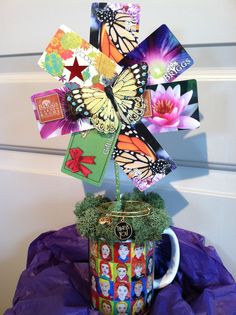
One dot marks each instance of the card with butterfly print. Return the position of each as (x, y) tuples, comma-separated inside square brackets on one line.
[(165, 56), (54, 117), (70, 58), (141, 157), (88, 155), (174, 107), (115, 28)]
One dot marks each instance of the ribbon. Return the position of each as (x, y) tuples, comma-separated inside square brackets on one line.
[(75, 165)]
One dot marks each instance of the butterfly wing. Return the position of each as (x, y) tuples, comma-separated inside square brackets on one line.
[(122, 31), (137, 158), (107, 47), (93, 103), (128, 89), (134, 164)]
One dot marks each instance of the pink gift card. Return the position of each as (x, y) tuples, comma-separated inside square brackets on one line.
[(54, 117)]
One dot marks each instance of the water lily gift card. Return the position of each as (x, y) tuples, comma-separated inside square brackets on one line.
[(174, 107)]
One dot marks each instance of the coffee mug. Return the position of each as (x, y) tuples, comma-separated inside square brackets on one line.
[(122, 275)]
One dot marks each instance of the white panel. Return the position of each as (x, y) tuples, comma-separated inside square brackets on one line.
[(29, 25), (36, 197)]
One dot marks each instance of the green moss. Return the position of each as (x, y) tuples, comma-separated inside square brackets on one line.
[(91, 209)]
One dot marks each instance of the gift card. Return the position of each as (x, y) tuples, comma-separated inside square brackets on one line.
[(54, 116), (114, 28), (163, 53), (141, 157), (174, 107), (69, 58), (88, 155)]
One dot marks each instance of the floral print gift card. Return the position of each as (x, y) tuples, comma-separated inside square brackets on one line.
[(174, 107), (69, 58), (54, 117)]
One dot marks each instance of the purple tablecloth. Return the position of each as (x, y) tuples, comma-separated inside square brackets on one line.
[(55, 281)]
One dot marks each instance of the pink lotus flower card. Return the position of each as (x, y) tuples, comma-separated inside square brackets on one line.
[(69, 58), (174, 107)]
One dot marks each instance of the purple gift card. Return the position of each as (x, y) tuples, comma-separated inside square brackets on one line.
[(174, 107), (163, 53), (54, 117)]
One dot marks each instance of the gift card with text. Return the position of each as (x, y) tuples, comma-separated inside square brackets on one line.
[(165, 56), (54, 116), (88, 155)]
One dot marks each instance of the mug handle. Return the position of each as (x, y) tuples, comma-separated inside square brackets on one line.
[(174, 263)]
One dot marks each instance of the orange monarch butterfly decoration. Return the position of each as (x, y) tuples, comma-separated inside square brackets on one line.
[(144, 162), (117, 28)]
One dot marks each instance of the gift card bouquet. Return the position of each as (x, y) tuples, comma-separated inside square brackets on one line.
[(117, 95)]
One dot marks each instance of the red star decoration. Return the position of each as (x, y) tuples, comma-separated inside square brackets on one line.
[(75, 70)]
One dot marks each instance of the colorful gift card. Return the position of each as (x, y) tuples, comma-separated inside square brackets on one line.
[(54, 116), (114, 28), (69, 58), (174, 107), (88, 155), (163, 53), (141, 157)]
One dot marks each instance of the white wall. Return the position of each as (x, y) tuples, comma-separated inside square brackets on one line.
[(36, 197)]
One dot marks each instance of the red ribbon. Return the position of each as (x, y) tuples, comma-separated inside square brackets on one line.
[(75, 164)]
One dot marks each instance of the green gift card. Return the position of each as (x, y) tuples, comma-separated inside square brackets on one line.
[(88, 155)]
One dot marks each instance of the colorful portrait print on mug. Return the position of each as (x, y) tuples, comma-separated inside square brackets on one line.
[(121, 277)]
